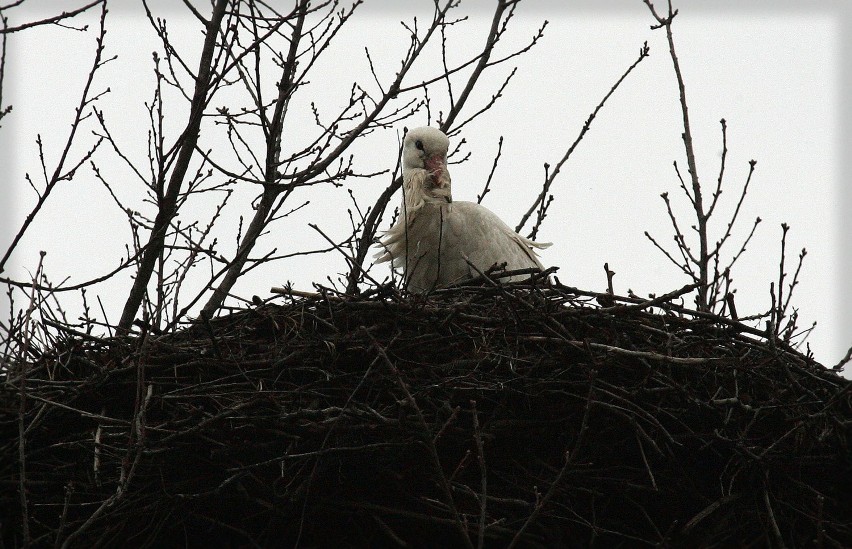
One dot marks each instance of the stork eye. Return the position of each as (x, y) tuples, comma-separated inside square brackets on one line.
[(418, 144)]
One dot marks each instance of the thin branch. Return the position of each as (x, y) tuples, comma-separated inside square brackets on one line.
[(718, 192), (487, 187), (483, 477), (187, 144), (79, 115), (643, 53), (54, 19), (429, 443), (701, 216)]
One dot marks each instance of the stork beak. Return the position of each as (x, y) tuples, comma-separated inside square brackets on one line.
[(437, 166)]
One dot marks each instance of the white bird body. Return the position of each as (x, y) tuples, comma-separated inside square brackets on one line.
[(438, 242)]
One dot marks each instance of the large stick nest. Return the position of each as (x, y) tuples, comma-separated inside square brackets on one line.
[(530, 415)]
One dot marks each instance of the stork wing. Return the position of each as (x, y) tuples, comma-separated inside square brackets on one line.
[(439, 244), (474, 232)]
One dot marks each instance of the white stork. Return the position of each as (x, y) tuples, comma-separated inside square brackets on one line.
[(436, 240)]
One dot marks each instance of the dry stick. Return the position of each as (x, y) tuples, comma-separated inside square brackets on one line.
[(685, 266), (609, 276), (422, 517), (170, 326), (127, 473), (784, 303), (752, 164), (570, 455), (26, 325), (69, 489), (492, 277), (301, 293), (846, 358), (477, 58), (779, 539), (795, 280), (732, 307), (325, 440), (313, 454), (388, 530), (209, 329), (645, 461), (665, 298), (626, 352), (739, 326), (446, 75), (38, 419), (480, 452), (76, 333), (446, 424), (494, 97), (430, 445), (82, 413), (553, 325), (708, 510), (643, 53)]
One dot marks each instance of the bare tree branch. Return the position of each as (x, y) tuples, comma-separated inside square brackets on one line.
[(50, 20), (697, 197), (60, 173), (643, 53), (186, 149)]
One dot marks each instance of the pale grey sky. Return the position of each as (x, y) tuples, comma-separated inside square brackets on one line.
[(776, 71)]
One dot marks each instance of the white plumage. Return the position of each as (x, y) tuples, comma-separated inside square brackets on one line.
[(436, 237)]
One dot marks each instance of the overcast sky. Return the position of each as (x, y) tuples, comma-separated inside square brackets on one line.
[(776, 71)]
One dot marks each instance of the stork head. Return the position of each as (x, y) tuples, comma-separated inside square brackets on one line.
[(424, 167)]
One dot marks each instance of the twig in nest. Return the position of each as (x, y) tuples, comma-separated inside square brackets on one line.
[(427, 438)]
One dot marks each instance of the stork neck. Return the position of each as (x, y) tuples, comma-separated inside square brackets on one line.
[(420, 187)]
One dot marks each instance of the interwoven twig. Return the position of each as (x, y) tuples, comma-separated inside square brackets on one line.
[(339, 421)]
